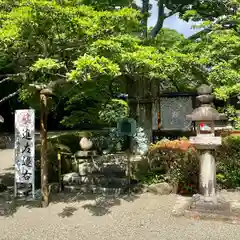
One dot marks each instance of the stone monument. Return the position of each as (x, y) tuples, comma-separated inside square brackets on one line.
[(206, 141), (207, 203)]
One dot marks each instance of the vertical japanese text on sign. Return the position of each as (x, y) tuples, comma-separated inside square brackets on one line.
[(24, 146)]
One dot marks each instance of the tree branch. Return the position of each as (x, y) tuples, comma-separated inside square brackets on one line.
[(222, 21), (11, 75), (9, 96), (4, 80), (162, 16), (145, 9), (198, 34)]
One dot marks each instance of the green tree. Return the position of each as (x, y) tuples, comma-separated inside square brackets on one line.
[(219, 42), (92, 53), (41, 40)]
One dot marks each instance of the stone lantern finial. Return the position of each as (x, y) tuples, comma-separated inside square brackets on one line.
[(206, 112), (205, 94), (204, 90)]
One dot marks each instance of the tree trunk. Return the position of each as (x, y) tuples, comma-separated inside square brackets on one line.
[(160, 20), (140, 105), (44, 160), (145, 9)]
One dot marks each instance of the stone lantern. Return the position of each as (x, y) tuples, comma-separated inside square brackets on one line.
[(206, 141)]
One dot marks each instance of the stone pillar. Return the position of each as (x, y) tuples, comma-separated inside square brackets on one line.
[(208, 175)]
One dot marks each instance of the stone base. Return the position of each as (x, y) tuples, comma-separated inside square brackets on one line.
[(86, 153), (198, 208), (93, 189), (217, 205)]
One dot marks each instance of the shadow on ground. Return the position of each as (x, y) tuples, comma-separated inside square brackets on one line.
[(7, 179), (99, 206), (67, 212), (96, 204)]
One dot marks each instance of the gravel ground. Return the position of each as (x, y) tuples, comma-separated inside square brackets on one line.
[(143, 217)]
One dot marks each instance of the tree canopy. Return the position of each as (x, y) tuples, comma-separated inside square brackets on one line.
[(93, 48)]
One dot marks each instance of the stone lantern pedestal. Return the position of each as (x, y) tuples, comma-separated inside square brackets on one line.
[(206, 145)]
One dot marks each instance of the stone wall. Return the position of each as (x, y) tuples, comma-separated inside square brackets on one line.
[(102, 171)]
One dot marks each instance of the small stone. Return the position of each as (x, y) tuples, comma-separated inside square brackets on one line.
[(85, 143), (196, 197), (160, 188)]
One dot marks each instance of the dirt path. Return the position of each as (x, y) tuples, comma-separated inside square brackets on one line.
[(146, 217)]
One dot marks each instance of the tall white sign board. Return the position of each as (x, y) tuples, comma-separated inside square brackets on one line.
[(25, 148)]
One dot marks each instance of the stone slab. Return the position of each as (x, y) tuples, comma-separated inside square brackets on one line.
[(197, 208), (220, 207), (206, 142), (93, 189), (23, 192), (82, 154)]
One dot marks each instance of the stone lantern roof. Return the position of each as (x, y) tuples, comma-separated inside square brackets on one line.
[(206, 111)]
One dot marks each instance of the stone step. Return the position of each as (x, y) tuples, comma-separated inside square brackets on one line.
[(93, 189)]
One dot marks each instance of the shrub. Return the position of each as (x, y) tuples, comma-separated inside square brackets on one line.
[(228, 162), (177, 162), (172, 161)]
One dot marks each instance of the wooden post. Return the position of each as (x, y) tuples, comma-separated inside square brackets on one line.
[(60, 170), (129, 155), (44, 160)]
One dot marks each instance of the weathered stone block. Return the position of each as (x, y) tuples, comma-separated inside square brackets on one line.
[(71, 178), (160, 188)]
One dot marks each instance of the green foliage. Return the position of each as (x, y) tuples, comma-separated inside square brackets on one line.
[(221, 53), (208, 10), (232, 115), (71, 140), (176, 163), (228, 162), (218, 43), (166, 38), (45, 64), (42, 35), (93, 68), (95, 48), (107, 4), (42, 42), (182, 167), (113, 111), (151, 177)]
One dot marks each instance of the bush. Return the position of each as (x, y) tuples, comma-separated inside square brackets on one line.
[(177, 163), (172, 161), (228, 162)]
